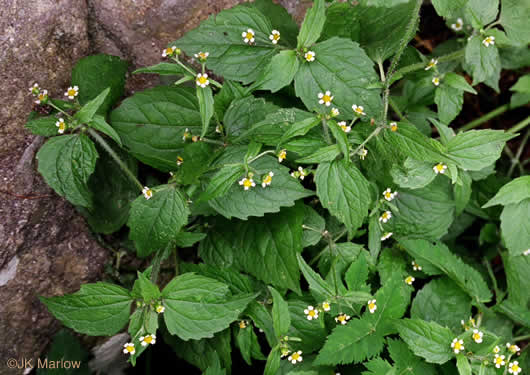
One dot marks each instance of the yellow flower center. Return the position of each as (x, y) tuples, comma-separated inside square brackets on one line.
[(295, 356), (458, 346), (42, 96), (148, 339), (359, 110), (267, 179), (384, 215), (62, 126), (476, 336), (311, 313), (71, 92), (325, 306), (393, 127), (202, 55), (242, 324), (276, 36), (129, 348), (282, 155), (247, 183), (202, 80), (498, 360), (149, 193), (408, 280), (515, 368), (308, 56), (326, 98), (344, 127), (341, 318), (169, 51), (249, 36), (388, 195), (439, 167), (371, 306)]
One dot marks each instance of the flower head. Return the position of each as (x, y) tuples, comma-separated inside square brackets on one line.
[(439, 168), (267, 179), (284, 352), (242, 324), (309, 56), (303, 172), (512, 348), (325, 98), (180, 160), (372, 306), (388, 195), (342, 318), (496, 349), (295, 357), (344, 126), (160, 309), (326, 306), (457, 345), (431, 64), (202, 80), (409, 280), (275, 36), (416, 266), (489, 40), (61, 125), (385, 216), (282, 155), (202, 56), (393, 126), (436, 81), (149, 339), (311, 313), (148, 193), (526, 252), (248, 36), (169, 51), (498, 361), (458, 25), (247, 183), (34, 89), (362, 153), (334, 112), (477, 336), (42, 97), (358, 110), (128, 348), (386, 236), (72, 92), (513, 368)]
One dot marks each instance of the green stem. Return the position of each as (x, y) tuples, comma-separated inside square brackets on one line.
[(396, 109), (176, 261), (498, 295), (519, 126), (57, 108), (115, 156), (521, 338), (373, 134), (516, 159), (325, 129), (496, 112), (212, 141), (176, 59), (260, 155), (449, 57)]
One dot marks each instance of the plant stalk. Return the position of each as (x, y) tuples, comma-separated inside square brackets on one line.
[(488, 116)]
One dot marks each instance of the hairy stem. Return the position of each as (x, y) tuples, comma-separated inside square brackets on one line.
[(449, 57), (372, 134), (519, 126), (325, 129)]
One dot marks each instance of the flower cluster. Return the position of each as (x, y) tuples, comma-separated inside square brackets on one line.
[(247, 182), (386, 236), (301, 173), (248, 36), (457, 345), (436, 81), (393, 126), (385, 216), (416, 266), (282, 155), (42, 96), (362, 153), (358, 110), (170, 51), (344, 126), (129, 348), (409, 280), (202, 80), (311, 313)]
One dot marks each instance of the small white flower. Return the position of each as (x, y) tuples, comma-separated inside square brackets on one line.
[(358, 110), (477, 336), (496, 349), (148, 193), (489, 41), (513, 348), (393, 126), (202, 56), (311, 313), (248, 36), (388, 195), (186, 134), (247, 183), (372, 306), (310, 56), (282, 155), (386, 236), (61, 125), (499, 360), (267, 179), (302, 172), (436, 81), (325, 98), (409, 280), (362, 153), (148, 340), (160, 309), (218, 129), (275, 36), (334, 112), (439, 168), (526, 252), (180, 160), (344, 126), (514, 368), (169, 51), (458, 25), (457, 345), (295, 357), (42, 97), (34, 89), (202, 80), (128, 348), (387, 215), (326, 306), (417, 267), (431, 64), (72, 92), (342, 318)]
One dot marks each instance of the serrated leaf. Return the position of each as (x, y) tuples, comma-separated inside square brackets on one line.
[(428, 340), (448, 8), (299, 128), (197, 307), (341, 137), (145, 289), (44, 126), (313, 220), (163, 69), (315, 281), (280, 72), (313, 23), (449, 101), (344, 191), (462, 363), (413, 174), (328, 153), (515, 311), (481, 12), (483, 61), (245, 112), (87, 112), (273, 361), (476, 149), (151, 124), (247, 341), (513, 192), (205, 99), (514, 17), (406, 361), (196, 160), (65, 345), (221, 182), (98, 122), (462, 192), (517, 268), (458, 82), (280, 314), (66, 163), (515, 228), (99, 309), (343, 68), (156, 221), (357, 274), (342, 20)]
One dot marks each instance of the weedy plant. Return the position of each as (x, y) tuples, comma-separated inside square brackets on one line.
[(278, 152)]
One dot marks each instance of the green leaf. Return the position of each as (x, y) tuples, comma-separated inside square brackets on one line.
[(313, 220), (343, 68), (66, 163), (99, 309), (64, 346), (151, 124), (316, 283), (248, 344), (228, 93), (378, 366), (374, 237), (257, 201), (413, 174), (462, 363), (222, 182), (462, 192), (163, 69), (449, 101), (357, 274), (513, 192), (483, 61), (197, 306), (428, 340), (312, 26), (196, 160), (517, 268), (341, 137), (88, 111), (443, 302), (481, 12), (99, 123), (143, 321), (328, 153), (245, 112), (299, 128), (476, 149), (406, 361), (275, 239), (515, 228), (311, 332), (280, 314), (515, 311), (205, 99), (145, 289), (215, 368), (342, 20), (44, 126), (93, 74), (344, 191), (437, 254), (280, 72), (280, 19), (273, 361), (449, 8), (456, 81), (230, 56), (156, 221), (514, 19)]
